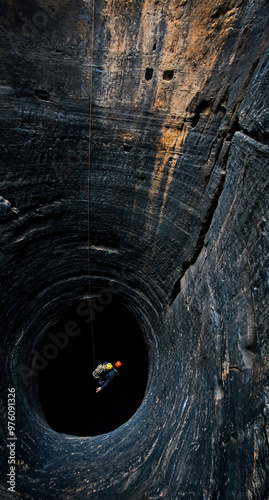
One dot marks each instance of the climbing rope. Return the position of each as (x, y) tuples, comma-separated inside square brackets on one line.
[(89, 179)]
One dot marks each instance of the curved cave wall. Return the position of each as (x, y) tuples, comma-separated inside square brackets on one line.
[(178, 234)]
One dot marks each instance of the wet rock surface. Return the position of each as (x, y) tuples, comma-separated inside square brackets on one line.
[(178, 231)]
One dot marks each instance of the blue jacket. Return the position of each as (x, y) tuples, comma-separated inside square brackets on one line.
[(107, 377)]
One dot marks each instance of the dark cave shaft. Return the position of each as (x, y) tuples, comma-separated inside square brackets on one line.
[(178, 236)]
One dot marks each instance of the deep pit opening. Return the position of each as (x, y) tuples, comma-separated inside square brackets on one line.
[(66, 388)]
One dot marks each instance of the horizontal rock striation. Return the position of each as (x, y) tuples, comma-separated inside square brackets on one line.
[(178, 225)]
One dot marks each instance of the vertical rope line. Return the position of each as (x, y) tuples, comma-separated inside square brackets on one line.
[(89, 178)]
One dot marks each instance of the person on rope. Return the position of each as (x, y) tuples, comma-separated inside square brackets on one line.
[(104, 373)]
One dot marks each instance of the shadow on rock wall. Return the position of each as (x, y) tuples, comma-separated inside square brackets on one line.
[(178, 231)]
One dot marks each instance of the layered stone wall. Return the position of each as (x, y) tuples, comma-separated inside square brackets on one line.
[(178, 221)]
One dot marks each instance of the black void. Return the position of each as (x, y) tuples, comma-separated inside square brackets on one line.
[(67, 390)]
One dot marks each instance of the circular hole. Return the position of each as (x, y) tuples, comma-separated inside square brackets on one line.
[(127, 148), (168, 75), (66, 387), (148, 74)]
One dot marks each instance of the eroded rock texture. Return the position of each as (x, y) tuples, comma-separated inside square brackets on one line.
[(178, 220)]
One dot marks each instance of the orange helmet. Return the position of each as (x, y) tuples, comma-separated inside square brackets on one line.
[(118, 364)]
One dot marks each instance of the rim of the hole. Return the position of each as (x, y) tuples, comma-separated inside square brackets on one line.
[(38, 406)]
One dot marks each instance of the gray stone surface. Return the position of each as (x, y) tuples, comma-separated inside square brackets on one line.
[(178, 210)]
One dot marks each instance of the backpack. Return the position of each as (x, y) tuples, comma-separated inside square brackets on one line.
[(99, 371)]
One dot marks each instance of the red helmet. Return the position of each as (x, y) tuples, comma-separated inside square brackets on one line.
[(118, 364)]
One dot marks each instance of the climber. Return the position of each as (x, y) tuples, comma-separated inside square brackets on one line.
[(105, 372)]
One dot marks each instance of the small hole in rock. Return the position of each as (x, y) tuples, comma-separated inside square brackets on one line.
[(127, 148), (168, 75), (148, 74), (154, 46), (203, 107), (42, 94), (221, 110)]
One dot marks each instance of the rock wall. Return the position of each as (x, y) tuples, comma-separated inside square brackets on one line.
[(178, 222)]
